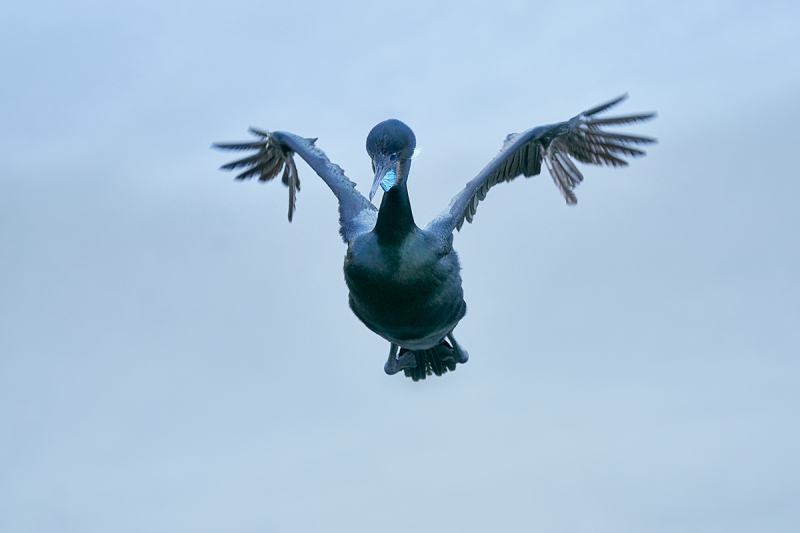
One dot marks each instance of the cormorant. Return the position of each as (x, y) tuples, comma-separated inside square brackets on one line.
[(404, 281)]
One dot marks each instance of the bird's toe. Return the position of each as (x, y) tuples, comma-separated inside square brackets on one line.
[(395, 364), (462, 356), (407, 359)]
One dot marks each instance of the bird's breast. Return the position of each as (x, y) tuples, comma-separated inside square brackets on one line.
[(408, 291)]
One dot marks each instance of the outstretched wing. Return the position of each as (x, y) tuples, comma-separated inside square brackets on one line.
[(275, 155), (580, 138)]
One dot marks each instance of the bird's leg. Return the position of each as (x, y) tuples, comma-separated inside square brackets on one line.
[(460, 353), (395, 365), (391, 365)]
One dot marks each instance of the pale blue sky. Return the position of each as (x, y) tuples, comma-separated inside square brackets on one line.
[(175, 356)]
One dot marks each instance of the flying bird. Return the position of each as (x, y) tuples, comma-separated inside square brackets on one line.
[(404, 280)]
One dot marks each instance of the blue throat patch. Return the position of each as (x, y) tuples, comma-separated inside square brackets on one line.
[(388, 180)]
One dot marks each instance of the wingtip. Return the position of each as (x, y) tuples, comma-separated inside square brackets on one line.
[(606, 106), (258, 132)]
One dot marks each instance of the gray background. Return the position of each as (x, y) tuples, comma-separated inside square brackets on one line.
[(177, 357)]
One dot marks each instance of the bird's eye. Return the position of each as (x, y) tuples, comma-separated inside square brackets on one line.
[(393, 157)]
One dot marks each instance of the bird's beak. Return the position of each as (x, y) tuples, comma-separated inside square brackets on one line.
[(384, 175)]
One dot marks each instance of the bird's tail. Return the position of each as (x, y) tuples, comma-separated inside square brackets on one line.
[(436, 360)]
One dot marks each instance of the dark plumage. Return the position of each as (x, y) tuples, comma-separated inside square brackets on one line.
[(404, 281)]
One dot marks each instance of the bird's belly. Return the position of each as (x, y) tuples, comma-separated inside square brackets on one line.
[(414, 306)]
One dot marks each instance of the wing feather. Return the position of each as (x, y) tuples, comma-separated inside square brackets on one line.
[(561, 179), (633, 139), (630, 119), (568, 167), (238, 146), (581, 138), (275, 155), (244, 162)]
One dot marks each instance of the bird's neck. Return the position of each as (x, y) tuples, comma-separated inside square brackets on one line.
[(395, 220)]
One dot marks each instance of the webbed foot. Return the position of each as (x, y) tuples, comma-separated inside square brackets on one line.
[(396, 364), (459, 353)]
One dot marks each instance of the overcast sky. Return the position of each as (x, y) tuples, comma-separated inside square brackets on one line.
[(176, 356)]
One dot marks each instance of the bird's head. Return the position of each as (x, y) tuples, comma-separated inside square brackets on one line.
[(390, 145)]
